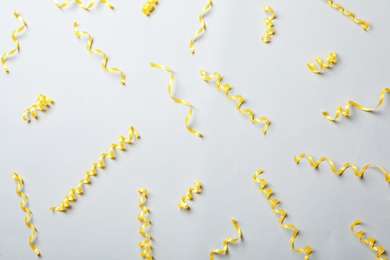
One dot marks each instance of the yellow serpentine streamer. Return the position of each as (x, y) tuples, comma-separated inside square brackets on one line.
[(268, 24), (40, 103), (369, 241), (188, 196), (202, 25), (346, 111), (68, 199), (90, 5), (141, 217), (179, 101), (148, 6), (97, 51), (329, 60), (274, 202), (15, 40), (226, 241), (363, 23), (226, 88), (23, 203)]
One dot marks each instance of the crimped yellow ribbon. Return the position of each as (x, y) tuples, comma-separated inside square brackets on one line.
[(179, 101), (202, 25), (40, 104), (15, 40), (68, 199), (226, 88), (90, 5), (148, 6), (226, 241), (188, 196), (144, 245), (363, 23), (329, 60), (268, 24), (274, 202), (97, 51), (23, 203)]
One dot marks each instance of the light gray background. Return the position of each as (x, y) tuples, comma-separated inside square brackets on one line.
[(92, 109)]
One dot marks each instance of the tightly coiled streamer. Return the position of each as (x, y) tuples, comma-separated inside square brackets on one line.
[(329, 60), (144, 245), (40, 104), (226, 241), (363, 23), (90, 5), (202, 25), (268, 24), (148, 6), (188, 196)]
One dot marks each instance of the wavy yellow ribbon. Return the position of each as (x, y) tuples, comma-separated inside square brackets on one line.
[(226, 88), (188, 196), (68, 199), (15, 40), (369, 241), (268, 24), (23, 203), (346, 111), (202, 25), (148, 6), (226, 241), (40, 104), (363, 23), (179, 101), (274, 202), (90, 5), (144, 245), (332, 58), (97, 51)]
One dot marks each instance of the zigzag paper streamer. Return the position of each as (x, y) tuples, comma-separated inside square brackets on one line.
[(148, 6), (14, 39), (68, 199), (363, 23), (329, 60), (188, 196), (23, 203), (40, 104), (268, 24), (202, 25), (179, 101), (144, 245), (226, 241), (97, 51), (90, 5), (226, 88), (274, 202)]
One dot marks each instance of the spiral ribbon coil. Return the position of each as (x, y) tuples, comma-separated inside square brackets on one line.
[(332, 58), (202, 25), (40, 104), (144, 245), (85, 7), (148, 6), (268, 24), (363, 23), (188, 196), (226, 241)]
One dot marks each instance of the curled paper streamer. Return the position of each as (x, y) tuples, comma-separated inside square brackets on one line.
[(346, 111), (68, 199), (23, 203), (226, 241), (202, 25), (363, 23), (15, 40), (268, 24), (148, 6), (226, 88), (188, 196), (329, 60), (40, 104), (274, 202), (369, 241), (97, 51), (90, 5), (144, 245), (179, 101)]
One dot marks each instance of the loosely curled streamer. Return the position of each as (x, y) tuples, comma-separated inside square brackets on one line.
[(90, 5), (97, 51), (329, 60), (346, 111), (23, 203), (179, 101), (148, 6), (144, 245), (202, 25), (363, 23), (226, 88), (226, 241), (188, 196), (15, 40), (369, 241), (68, 199), (40, 104), (274, 202), (268, 24)]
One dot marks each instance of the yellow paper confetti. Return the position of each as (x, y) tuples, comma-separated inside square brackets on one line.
[(23, 203), (226, 241), (144, 245), (40, 104), (274, 202), (90, 5), (268, 24), (226, 88), (68, 199), (363, 23), (148, 6), (329, 60), (188, 196), (202, 25)]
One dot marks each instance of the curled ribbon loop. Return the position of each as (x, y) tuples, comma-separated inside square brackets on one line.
[(240, 100), (148, 6), (179, 101), (15, 40), (274, 202), (226, 241), (188, 196), (97, 51), (329, 60), (363, 23), (23, 203), (40, 104), (90, 5), (68, 199), (268, 24), (144, 245), (202, 25)]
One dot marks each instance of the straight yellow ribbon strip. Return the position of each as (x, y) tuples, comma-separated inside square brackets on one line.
[(226, 241), (363, 23), (148, 6), (188, 196), (274, 202), (329, 60), (23, 203), (202, 25), (97, 51), (40, 104), (144, 245), (226, 88), (369, 241), (68, 199), (346, 111), (268, 24), (179, 101), (90, 5), (15, 40)]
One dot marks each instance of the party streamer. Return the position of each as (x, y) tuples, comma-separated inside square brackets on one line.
[(97, 51), (363, 23), (90, 5), (329, 60), (144, 245), (226, 88), (346, 111), (202, 25), (15, 40), (188, 196), (268, 24), (23, 203), (180, 101), (369, 241), (226, 241), (40, 104), (68, 199), (148, 6), (274, 202)]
